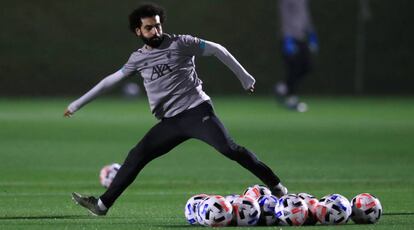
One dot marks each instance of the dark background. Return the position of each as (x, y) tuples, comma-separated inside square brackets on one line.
[(60, 48)]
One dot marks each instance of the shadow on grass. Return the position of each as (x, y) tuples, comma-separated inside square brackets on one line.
[(180, 226), (398, 214), (52, 217)]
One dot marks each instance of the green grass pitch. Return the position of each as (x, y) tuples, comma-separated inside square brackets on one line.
[(342, 145)]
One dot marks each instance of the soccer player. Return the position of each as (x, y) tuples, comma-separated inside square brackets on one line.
[(299, 41), (175, 94)]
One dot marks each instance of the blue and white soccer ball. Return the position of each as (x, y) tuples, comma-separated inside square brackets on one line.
[(333, 209), (214, 211), (291, 210), (267, 205), (108, 173), (246, 211), (191, 206), (366, 209), (231, 198), (256, 191)]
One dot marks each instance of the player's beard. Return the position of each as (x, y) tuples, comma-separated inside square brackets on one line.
[(154, 41)]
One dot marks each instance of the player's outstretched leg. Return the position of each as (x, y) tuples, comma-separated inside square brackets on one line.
[(249, 161), (208, 128), (159, 140), (90, 203)]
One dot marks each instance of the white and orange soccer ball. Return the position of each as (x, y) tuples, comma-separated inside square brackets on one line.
[(191, 208), (333, 209), (366, 209), (256, 191), (108, 173), (311, 202), (246, 211), (214, 211), (291, 210)]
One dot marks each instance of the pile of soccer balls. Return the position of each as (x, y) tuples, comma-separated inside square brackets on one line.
[(257, 206)]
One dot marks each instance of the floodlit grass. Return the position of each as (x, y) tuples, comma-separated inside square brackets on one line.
[(342, 145)]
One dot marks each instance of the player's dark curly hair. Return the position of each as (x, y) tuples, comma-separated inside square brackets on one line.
[(145, 11)]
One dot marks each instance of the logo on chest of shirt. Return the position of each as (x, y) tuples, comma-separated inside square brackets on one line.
[(159, 71)]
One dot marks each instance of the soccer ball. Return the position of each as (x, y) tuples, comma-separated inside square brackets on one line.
[(267, 205), (333, 209), (231, 198), (190, 208), (311, 202), (366, 209), (215, 211), (256, 191), (246, 211), (291, 210), (199, 218), (107, 174)]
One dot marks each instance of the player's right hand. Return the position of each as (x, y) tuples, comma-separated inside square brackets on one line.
[(251, 89), (67, 113)]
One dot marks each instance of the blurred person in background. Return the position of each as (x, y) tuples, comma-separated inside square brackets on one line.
[(166, 64), (298, 41)]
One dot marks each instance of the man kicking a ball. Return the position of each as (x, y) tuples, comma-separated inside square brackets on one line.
[(175, 94)]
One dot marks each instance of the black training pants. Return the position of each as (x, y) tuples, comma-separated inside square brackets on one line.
[(199, 122)]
